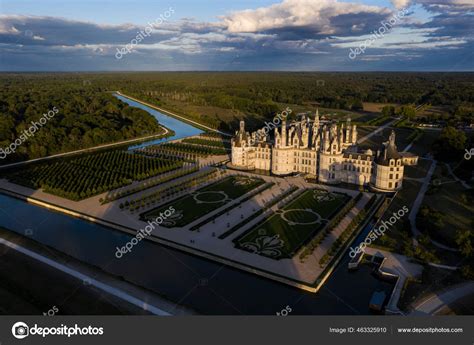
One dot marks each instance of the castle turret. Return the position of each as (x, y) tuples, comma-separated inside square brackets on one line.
[(348, 131), (341, 137), (283, 132), (354, 135), (325, 138)]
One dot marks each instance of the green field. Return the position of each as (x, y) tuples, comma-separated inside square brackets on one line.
[(402, 138), (204, 200), (446, 209), (395, 237), (281, 235)]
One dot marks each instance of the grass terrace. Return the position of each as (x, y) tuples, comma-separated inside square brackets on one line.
[(204, 200), (82, 177), (404, 136), (290, 227)]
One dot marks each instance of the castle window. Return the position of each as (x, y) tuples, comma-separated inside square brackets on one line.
[(396, 176), (390, 185), (396, 184), (391, 176)]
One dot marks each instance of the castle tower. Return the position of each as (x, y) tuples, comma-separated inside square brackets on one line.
[(325, 139), (354, 135), (391, 140), (283, 132), (348, 131), (341, 137)]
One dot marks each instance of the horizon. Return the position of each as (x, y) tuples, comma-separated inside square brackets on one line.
[(237, 71)]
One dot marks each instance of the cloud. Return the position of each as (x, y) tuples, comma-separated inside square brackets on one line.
[(401, 3), (301, 34), (318, 18)]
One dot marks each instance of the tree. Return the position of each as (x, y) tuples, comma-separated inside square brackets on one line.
[(388, 110), (408, 111), (450, 144), (464, 241)]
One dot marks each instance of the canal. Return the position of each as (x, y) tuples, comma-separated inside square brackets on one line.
[(205, 286)]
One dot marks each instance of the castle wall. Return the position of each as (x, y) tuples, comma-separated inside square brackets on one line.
[(328, 153), (389, 177)]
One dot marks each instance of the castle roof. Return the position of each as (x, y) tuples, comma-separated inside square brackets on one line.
[(389, 151)]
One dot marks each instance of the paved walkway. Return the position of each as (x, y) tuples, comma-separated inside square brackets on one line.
[(416, 207), (371, 134), (203, 243), (109, 289), (439, 300), (396, 266), (451, 172)]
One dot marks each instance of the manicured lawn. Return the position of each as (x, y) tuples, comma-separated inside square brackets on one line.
[(454, 204), (432, 280), (424, 144), (201, 202), (281, 235), (418, 171), (394, 238), (402, 138)]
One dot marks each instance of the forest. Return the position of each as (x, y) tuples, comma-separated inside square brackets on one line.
[(85, 117), (220, 99), (89, 114)]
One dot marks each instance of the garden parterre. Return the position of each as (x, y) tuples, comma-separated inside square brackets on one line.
[(204, 200), (282, 234)]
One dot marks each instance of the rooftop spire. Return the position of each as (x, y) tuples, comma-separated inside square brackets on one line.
[(391, 139)]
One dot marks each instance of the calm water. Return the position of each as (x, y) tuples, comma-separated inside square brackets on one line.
[(203, 285), (180, 128)]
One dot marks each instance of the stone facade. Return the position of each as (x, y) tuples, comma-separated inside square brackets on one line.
[(322, 150)]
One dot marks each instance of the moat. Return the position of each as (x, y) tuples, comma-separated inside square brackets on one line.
[(205, 286)]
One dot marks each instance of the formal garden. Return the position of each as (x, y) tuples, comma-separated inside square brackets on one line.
[(198, 203), (290, 227)]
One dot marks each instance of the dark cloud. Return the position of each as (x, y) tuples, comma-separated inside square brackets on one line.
[(292, 35)]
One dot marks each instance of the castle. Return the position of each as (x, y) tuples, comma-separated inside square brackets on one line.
[(321, 150)]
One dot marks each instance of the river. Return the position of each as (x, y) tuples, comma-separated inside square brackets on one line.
[(205, 286)]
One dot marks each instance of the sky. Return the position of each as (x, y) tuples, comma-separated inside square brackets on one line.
[(238, 35)]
